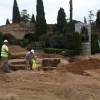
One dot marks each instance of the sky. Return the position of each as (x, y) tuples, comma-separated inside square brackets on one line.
[(81, 9)]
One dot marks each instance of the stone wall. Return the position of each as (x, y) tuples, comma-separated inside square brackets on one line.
[(19, 32)]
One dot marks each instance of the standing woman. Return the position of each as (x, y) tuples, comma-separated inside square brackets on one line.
[(4, 54)]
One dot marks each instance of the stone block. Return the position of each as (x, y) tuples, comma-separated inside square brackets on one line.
[(52, 62)]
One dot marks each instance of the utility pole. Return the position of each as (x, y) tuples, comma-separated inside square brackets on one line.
[(71, 9)]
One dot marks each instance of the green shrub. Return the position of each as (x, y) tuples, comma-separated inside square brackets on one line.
[(94, 43), (74, 41), (45, 38), (24, 42), (36, 46), (71, 52), (32, 46), (98, 50), (22, 24), (58, 41), (52, 50)]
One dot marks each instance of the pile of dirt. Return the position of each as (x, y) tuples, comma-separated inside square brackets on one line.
[(16, 48), (45, 55), (79, 67)]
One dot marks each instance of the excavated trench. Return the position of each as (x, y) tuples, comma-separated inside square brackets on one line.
[(74, 65), (18, 62)]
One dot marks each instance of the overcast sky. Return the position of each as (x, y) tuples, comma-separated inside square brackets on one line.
[(51, 8)]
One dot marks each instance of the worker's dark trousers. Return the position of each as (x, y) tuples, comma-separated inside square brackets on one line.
[(5, 64), (29, 62)]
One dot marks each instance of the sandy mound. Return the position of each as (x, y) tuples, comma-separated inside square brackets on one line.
[(79, 67), (16, 48)]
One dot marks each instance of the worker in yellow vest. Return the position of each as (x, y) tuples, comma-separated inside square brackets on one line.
[(4, 54)]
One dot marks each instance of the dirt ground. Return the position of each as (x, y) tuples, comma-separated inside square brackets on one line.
[(76, 78)]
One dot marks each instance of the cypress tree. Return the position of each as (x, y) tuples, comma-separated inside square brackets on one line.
[(41, 26), (61, 21), (85, 21), (7, 21), (94, 43), (16, 13), (32, 19), (98, 19)]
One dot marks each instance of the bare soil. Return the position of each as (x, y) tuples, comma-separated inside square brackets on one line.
[(76, 78)]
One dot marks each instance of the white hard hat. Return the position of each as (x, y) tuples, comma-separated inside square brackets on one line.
[(5, 40), (32, 51)]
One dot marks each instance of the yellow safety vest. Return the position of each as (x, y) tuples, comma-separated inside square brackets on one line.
[(34, 64), (3, 53)]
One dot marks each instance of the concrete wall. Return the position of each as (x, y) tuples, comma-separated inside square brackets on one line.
[(86, 47)]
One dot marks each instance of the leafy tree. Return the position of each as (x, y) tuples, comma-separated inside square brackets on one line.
[(58, 41), (91, 15), (24, 16), (16, 13), (61, 21), (45, 38), (7, 21), (41, 26), (33, 19), (24, 42), (98, 19), (1, 42)]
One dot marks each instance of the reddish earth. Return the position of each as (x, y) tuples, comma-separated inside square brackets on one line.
[(76, 78)]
